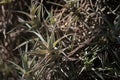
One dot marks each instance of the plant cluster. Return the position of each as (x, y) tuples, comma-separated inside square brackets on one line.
[(59, 40)]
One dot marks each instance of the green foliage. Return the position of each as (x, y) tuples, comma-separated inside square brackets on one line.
[(59, 40), (6, 1)]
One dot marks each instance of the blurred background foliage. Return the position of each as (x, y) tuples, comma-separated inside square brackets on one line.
[(59, 40)]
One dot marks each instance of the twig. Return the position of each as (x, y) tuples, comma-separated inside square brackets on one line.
[(83, 44)]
